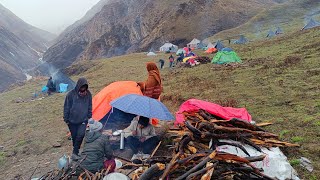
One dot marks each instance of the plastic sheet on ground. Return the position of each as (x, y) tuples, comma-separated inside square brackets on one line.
[(275, 164)]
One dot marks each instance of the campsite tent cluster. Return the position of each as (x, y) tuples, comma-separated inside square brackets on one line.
[(224, 55)]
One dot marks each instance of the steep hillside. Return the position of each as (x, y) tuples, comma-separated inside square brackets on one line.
[(21, 45), (127, 26), (34, 37), (278, 82), (290, 16)]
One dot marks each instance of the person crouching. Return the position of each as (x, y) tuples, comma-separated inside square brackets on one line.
[(96, 148), (142, 135)]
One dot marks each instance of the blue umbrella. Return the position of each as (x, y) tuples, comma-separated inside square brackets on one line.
[(142, 106)]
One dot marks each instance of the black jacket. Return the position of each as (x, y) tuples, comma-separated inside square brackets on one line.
[(77, 109)]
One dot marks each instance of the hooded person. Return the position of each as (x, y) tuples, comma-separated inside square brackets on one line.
[(153, 85), (141, 134), (50, 85), (97, 149), (77, 112)]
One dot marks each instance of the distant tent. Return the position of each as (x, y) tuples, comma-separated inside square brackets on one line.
[(219, 45), (194, 43), (225, 57), (169, 47), (201, 45), (180, 51), (271, 34), (60, 78), (241, 40), (205, 42), (151, 54), (210, 45), (227, 49), (211, 50), (152, 50), (279, 31), (311, 24)]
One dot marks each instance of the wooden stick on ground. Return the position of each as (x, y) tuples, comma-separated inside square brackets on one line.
[(152, 171), (155, 150), (198, 166)]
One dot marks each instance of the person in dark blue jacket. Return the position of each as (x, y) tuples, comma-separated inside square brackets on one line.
[(77, 112)]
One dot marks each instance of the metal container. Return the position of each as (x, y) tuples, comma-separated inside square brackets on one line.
[(122, 141)]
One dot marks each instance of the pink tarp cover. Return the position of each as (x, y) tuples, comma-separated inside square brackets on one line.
[(215, 109)]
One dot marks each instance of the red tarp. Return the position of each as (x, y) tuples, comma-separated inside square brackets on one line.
[(226, 113)]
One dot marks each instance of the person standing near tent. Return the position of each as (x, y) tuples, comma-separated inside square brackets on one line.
[(51, 86), (161, 61), (141, 134), (171, 60), (77, 112), (152, 87)]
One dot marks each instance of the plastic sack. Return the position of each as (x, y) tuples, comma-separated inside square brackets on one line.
[(44, 89), (63, 87), (116, 176), (63, 162), (275, 164)]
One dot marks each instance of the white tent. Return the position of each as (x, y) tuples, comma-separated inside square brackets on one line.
[(210, 45), (194, 43), (151, 54), (169, 47)]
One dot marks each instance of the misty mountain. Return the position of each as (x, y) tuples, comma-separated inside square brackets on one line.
[(124, 26), (21, 46)]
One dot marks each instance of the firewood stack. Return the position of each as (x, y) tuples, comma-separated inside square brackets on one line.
[(192, 158), (203, 59), (195, 155)]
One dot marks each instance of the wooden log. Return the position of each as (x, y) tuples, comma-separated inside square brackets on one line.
[(170, 166), (208, 174), (256, 158), (244, 124), (191, 157), (184, 143), (200, 172), (195, 131), (250, 143), (155, 150), (264, 124), (210, 157), (150, 172), (235, 145)]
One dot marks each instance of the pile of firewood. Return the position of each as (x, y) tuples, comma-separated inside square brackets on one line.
[(203, 59), (194, 153), (194, 158), (71, 171)]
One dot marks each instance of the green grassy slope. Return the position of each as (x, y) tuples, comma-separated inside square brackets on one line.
[(290, 16), (278, 82)]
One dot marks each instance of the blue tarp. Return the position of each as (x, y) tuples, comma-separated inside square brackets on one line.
[(44, 89), (63, 88)]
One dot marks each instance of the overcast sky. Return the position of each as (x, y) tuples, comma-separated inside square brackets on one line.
[(51, 15)]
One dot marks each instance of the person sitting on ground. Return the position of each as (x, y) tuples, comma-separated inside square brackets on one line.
[(96, 149), (152, 87), (141, 134), (161, 61), (51, 86)]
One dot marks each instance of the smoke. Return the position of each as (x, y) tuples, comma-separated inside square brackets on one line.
[(57, 75)]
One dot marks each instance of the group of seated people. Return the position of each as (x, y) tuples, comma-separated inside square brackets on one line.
[(97, 151)]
